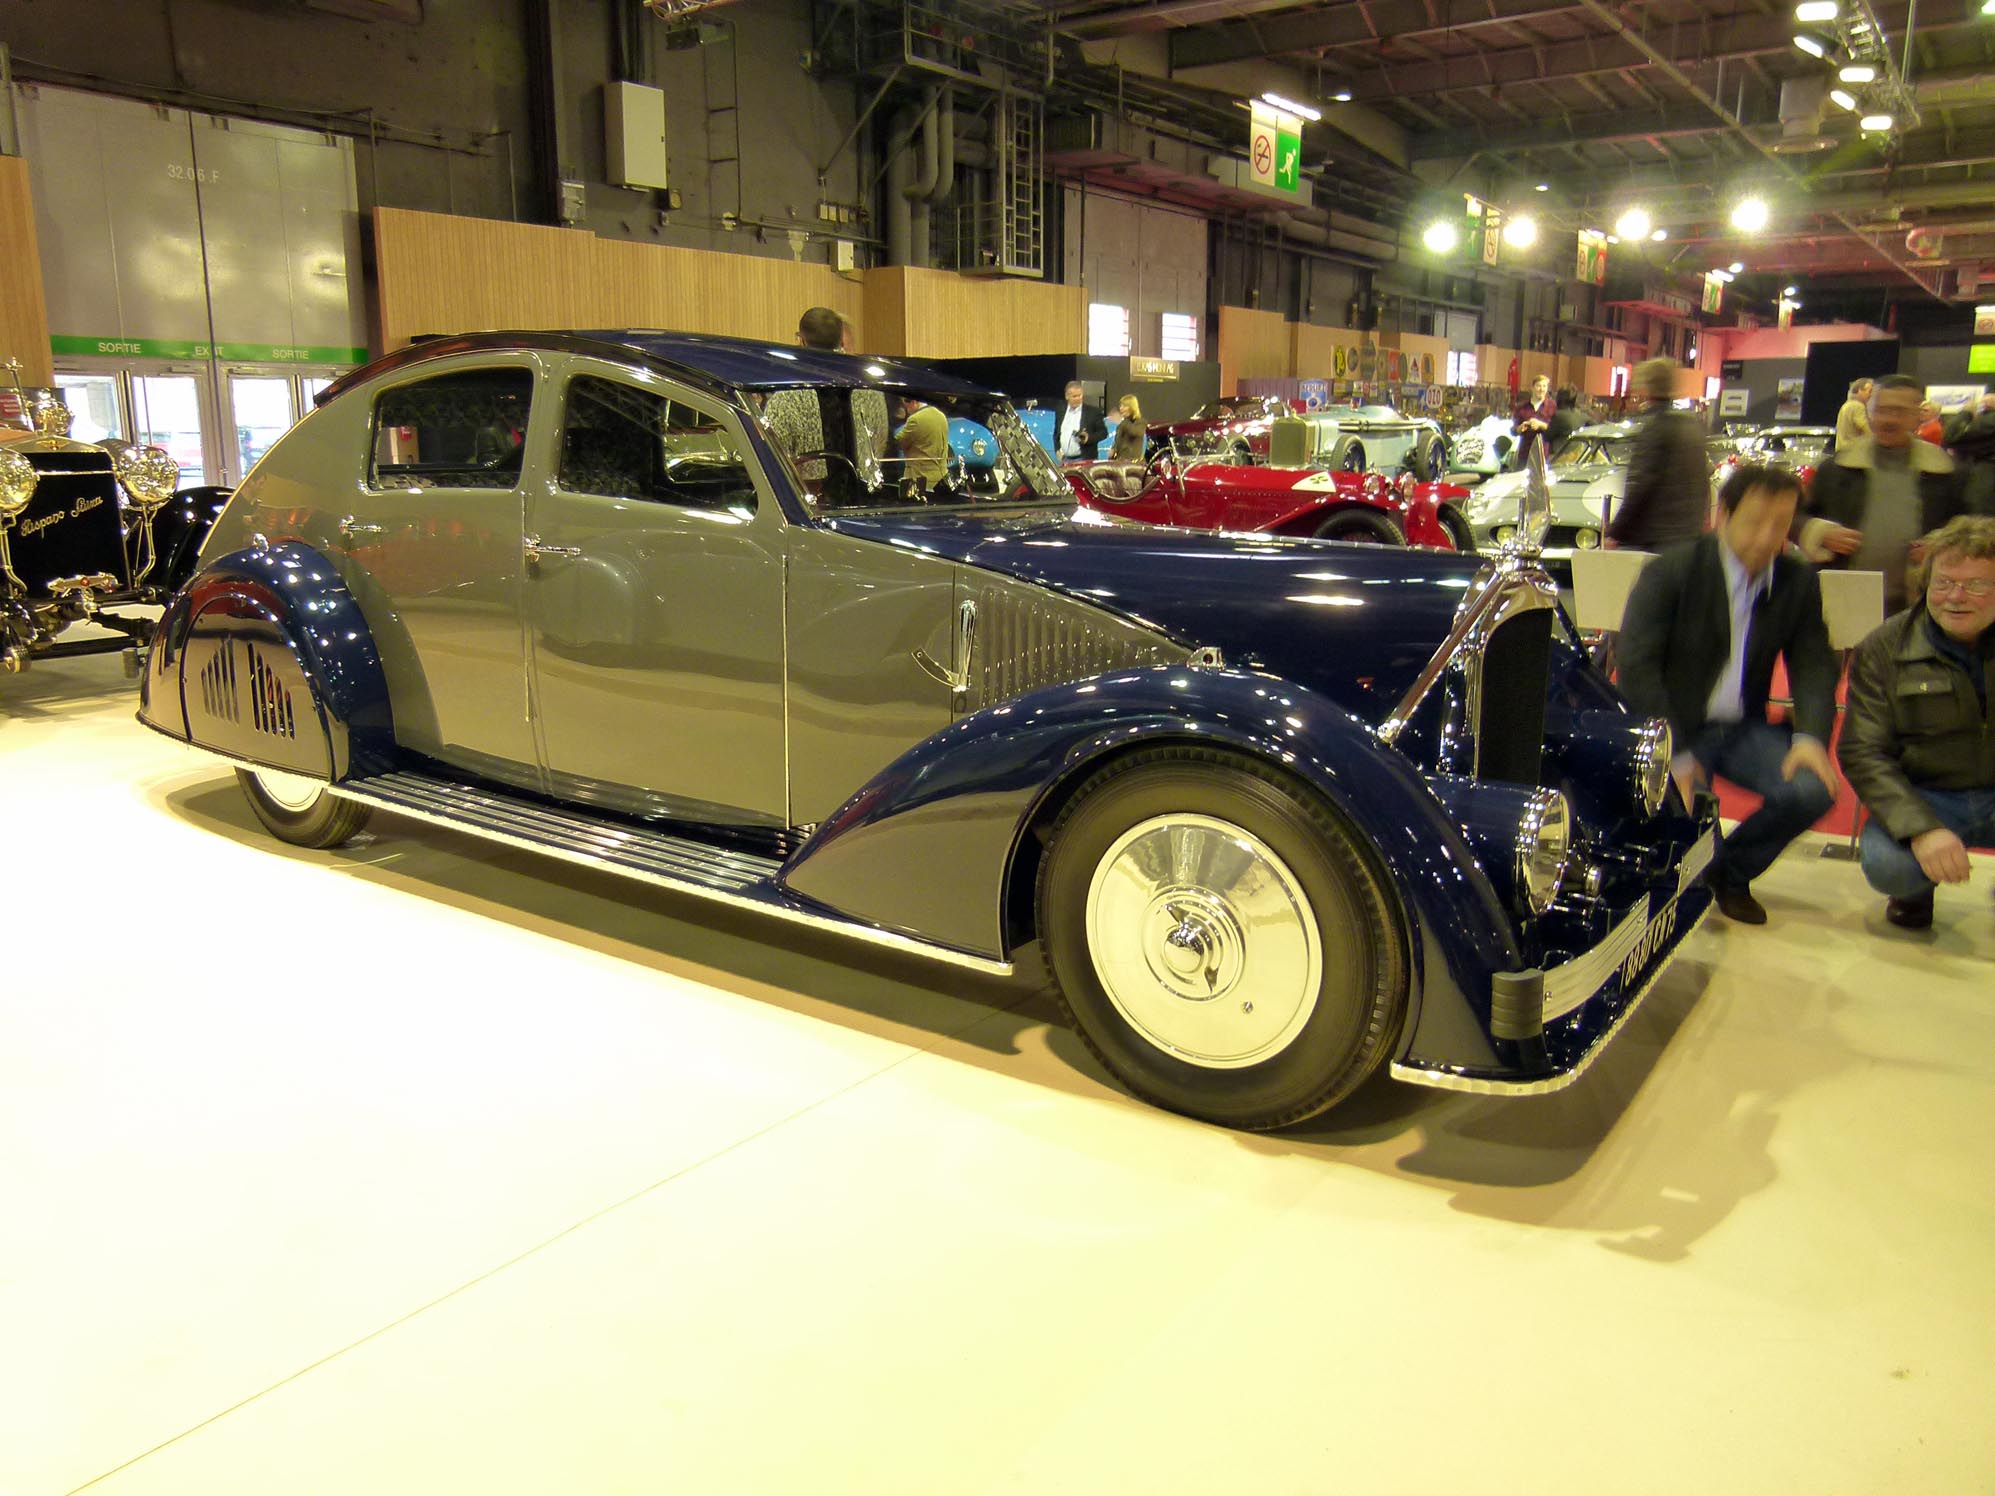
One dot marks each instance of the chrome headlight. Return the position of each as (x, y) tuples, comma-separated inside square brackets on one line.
[(17, 482), (1586, 539), (1655, 746), (1543, 845)]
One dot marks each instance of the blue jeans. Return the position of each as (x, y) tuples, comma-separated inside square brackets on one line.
[(1888, 863), (1749, 754)]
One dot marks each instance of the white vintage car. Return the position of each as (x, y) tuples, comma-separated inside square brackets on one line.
[(1588, 473)]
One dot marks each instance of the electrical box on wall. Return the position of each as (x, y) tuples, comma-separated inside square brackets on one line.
[(634, 122)]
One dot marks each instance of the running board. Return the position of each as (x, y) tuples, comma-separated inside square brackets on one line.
[(725, 875)]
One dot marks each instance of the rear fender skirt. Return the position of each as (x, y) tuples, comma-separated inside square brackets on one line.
[(264, 656), (935, 842)]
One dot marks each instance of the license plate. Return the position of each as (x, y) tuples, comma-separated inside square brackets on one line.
[(1660, 927)]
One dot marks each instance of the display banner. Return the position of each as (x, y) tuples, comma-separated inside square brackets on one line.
[(229, 353), (1784, 313), (1591, 264), (1714, 293), (1153, 368)]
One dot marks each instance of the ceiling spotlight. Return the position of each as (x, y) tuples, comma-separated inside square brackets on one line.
[(1521, 232), (1633, 224), (1659, 235), (1750, 216), (1722, 275), (1812, 44), (1875, 123), (1292, 107), (1613, 238), (1736, 266), (1857, 72), (1790, 291), (1441, 237), (1342, 96), (1988, 7), (1547, 186), (1816, 10), (1843, 101)]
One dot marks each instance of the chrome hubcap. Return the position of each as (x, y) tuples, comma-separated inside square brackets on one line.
[(1204, 941), (293, 792)]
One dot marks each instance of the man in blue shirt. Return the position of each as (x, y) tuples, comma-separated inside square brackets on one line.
[(1702, 630)]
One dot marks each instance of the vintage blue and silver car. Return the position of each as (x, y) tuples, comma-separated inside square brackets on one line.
[(1277, 812)]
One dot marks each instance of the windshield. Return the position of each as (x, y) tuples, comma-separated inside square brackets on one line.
[(1793, 447), (1590, 451), (881, 449), (1229, 410)]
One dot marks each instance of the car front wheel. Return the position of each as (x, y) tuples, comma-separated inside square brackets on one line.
[(1219, 938), (1364, 526), (299, 810)]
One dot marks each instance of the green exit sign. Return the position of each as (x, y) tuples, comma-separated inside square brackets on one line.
[(1981, 358)]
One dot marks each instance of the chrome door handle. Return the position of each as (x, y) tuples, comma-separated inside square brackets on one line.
[(353, 529), (958, 679), (536, 552)]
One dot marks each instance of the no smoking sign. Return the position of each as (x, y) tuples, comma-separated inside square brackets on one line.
[(1275, 149)]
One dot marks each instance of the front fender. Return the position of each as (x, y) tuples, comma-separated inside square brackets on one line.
[(944, 842), (264, 655)]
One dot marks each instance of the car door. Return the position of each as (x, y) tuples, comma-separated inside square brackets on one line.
[(654, 604), (429, 542)]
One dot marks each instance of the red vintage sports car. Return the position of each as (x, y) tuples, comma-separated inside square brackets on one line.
[(1287, 501), (1239, 425)]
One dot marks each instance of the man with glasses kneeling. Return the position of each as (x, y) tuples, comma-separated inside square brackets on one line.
[(1919, 743)]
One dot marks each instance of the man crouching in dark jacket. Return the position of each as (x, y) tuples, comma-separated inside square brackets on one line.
[(1698, 640), (1919, 743)]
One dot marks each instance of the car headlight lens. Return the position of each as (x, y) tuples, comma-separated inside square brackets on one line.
[(1655, 746), (1504, 534), (1587, 539), (1543, 845), (17, 482)]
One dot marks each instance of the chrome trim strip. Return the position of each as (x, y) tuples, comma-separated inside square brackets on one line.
[(889, 939), (1571, 983), (1697, 859), (1442, 1080)]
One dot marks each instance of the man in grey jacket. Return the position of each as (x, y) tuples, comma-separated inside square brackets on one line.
[(1669, 481), (1918, 744)]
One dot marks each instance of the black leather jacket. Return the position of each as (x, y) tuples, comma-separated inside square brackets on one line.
[(1915, 722)]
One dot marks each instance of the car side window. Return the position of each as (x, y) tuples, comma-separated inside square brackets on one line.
[(624, 442), (461, 430)]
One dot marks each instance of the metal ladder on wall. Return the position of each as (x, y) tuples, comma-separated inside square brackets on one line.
[(1020, 128)]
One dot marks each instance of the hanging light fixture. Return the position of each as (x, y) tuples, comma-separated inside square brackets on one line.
[(1874, 124), (1750, 215), (1441, 237), (1816, 10), (1842, 100), (1521, 232), (1856, 72), (1633, 224), (1813, 45)]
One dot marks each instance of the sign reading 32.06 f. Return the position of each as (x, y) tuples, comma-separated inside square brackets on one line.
[(1274, 151)]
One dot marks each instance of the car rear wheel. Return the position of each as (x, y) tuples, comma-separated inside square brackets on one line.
[(300, 810), (1429, 459), (1348, 456), (1459, 531), (1364, 526), (1219, 938)]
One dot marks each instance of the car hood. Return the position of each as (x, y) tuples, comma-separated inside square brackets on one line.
[(1355, 622)]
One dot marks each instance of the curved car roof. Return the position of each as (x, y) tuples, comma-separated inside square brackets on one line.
[(741, 362)]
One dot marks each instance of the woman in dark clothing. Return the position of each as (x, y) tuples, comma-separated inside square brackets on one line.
[(1128, 431)]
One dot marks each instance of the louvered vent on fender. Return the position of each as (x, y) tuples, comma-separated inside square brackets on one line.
[(218, 684), (1027, 640), (269, 699)]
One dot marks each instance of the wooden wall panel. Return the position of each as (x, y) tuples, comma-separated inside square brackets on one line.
[(1316, 349), (1253, 345), (940, 314), (23, 301), (437, 273)]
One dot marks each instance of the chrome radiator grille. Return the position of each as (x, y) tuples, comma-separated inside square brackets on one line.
[(1028, 640)]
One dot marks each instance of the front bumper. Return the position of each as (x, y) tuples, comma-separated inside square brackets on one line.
[(1560, 1019)]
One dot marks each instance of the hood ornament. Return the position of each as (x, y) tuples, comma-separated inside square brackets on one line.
[(49, 411), (1534, 508)]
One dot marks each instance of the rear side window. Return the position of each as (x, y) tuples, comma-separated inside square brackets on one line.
[(628, 443), (460, 430)]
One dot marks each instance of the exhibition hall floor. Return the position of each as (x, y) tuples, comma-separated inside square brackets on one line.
[(424, 1167)]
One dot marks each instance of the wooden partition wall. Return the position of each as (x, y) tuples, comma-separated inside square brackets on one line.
[(1264, 345), (442, 274), (23, 302)]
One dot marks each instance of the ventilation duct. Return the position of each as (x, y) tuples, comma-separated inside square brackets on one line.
[(1801, 103)]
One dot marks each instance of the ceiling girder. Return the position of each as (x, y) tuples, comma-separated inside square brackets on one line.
[(1347, 24)]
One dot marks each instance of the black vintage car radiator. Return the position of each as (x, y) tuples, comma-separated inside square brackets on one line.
[(1510, 728), (70, 527)]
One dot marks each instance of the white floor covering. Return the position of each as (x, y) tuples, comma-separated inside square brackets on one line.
[(421, 1167)]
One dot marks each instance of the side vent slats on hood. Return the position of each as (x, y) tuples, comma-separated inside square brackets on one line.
[(1026, 640)]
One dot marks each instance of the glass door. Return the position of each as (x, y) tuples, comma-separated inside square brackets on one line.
[(174, 410), (96, 405), (261, 409)]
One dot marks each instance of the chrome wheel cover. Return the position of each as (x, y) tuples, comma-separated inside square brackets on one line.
[(292, 792), (1204, 941)]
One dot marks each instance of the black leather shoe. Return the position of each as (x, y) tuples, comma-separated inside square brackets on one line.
[(1910, 914), (1737, 904)]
